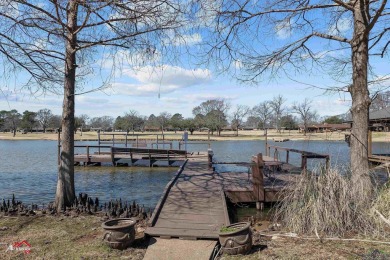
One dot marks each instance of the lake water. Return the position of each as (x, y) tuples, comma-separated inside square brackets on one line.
[(29, 169)]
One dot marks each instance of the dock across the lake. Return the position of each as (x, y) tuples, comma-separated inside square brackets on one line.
[(125, 156)]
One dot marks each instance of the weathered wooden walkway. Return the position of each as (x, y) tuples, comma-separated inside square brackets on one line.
[(193, 206)]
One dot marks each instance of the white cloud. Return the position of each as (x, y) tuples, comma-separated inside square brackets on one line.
[(187, 39), (164, 79), (284, 29), (87, 100)]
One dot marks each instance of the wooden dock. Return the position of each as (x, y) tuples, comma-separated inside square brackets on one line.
[(193, 205), (123, 156)]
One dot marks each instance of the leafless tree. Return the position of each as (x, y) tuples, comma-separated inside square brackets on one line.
[(213, 114), (278, 37), (263, 111), (305, 112), (163, 119), (105, 123), (278, 109), (81, 122), (43, 116), (56, 42), (133, 120), (238, 115)]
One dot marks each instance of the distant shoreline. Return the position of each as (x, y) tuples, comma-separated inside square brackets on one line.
[(244, 135)]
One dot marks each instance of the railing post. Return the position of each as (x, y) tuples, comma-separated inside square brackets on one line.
[(258, 182), (304, 162), (87, 154), (112, 156), (208, 136), (287, 156), (126, 140), (137, 141), (157, 141), (210, 155)]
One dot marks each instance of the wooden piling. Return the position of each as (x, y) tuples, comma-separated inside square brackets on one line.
[(258, 182)]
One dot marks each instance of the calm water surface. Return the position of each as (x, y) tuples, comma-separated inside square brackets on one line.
[(29, 169)]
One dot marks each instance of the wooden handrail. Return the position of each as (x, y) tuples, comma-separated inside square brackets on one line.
[(304, 155)]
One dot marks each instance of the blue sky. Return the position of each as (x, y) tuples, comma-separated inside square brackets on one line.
[(178, 87), (180, 91)]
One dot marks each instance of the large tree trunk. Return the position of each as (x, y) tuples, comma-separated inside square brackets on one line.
[(360, 101), (65, 193)]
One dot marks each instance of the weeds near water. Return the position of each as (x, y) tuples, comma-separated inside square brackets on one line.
[(327, 203)]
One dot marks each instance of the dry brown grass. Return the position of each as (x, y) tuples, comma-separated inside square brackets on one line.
[(381, 207), (226, 135), (62, 238), (327, 204)]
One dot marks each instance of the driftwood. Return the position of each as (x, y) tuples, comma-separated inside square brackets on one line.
[(382, 217)]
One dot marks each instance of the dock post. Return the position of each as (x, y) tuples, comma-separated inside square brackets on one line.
[(210, 154), (304, 162), (287, 156), (208, 136), (126, 140), (88, 160), (185, 137), (112, 156), (98, 140), (258, 182), (266, 143)]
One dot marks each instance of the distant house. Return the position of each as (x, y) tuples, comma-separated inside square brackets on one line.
[(152, 128), (320, 128), (379, 120)]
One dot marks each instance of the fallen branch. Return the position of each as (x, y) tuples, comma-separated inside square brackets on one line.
[(382, 217)]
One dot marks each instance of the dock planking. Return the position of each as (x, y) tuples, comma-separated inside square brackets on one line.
[(194, 207)]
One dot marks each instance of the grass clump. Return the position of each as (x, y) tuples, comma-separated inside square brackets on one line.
[(228, 229), (326, 203)]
